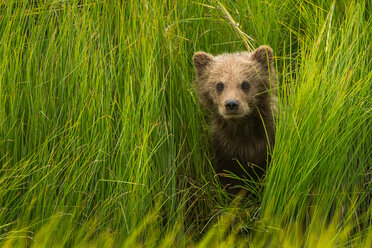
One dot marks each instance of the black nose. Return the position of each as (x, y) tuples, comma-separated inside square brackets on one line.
[(231, 104)]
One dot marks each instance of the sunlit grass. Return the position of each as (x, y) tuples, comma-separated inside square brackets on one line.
[(103, 143)]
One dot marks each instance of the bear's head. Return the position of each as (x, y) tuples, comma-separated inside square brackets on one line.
[(235, 85)]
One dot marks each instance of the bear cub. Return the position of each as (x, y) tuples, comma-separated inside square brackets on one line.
[(239, 90)]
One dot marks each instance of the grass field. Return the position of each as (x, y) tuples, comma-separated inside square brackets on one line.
[(103, 142)]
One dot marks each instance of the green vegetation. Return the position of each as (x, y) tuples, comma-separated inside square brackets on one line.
[(103, 143)]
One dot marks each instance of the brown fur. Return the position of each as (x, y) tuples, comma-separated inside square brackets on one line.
[(239, 136)]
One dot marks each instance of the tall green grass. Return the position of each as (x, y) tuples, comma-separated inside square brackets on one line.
[(103, 143)]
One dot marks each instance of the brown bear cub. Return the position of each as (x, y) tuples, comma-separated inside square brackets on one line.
[(239, 89)]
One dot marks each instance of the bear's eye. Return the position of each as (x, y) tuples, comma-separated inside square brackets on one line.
[(245, 85), (219, 87)]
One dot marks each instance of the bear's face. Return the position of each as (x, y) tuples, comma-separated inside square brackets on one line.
[(233, 84)]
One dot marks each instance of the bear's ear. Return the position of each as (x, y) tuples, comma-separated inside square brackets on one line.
[(201, 60), (263, 55)]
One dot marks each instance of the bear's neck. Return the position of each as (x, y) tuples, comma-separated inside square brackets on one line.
[(251, 125), (256, 126), (246, 139)]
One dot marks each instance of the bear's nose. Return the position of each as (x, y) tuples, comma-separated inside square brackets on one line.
[(231, 104)]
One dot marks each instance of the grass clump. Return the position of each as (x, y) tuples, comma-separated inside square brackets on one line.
[(103, 144)]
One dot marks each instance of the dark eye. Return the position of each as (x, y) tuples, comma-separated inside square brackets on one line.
[(245, 85), (219, 87)]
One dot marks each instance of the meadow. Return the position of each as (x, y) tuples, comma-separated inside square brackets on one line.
[(103, 142)]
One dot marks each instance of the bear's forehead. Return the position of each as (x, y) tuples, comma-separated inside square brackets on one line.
[(234, 58), (228, 65)]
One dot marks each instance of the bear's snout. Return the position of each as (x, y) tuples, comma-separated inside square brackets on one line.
[(231, 105)]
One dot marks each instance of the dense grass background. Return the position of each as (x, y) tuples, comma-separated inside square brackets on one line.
[(103, 143)]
